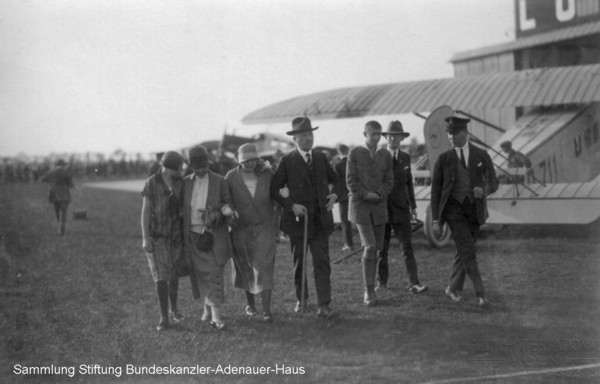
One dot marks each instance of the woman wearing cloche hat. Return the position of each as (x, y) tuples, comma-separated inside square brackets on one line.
[(254, 234), (162, 233)]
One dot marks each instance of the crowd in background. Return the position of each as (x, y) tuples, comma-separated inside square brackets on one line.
[(22, 169)]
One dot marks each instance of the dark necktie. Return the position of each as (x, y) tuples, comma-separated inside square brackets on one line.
[(395, 159), (308, 160), (462, 159)]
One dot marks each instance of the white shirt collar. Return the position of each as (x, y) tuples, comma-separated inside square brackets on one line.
[(465, 149), (303, 154), (392, 151)]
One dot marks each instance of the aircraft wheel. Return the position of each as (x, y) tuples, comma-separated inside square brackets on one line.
[(435, 241)]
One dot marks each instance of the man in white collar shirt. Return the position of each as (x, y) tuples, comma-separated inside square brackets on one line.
[(370, 179), (401, 209), (312, 185), (462, 178)]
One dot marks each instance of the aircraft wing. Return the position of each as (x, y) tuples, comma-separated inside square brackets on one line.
[(535, 87)]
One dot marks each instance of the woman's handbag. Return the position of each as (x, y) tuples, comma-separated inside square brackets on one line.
[(205, 241)]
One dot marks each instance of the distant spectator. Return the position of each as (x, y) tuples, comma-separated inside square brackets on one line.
[(155, 167), (340, 169), (61, 182), (517, 160)]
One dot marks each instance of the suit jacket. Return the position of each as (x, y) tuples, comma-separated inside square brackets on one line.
[(481, 174), (366, 174), (402, 196), (218, 196), (252, 210), (294, 172), (340, 170)]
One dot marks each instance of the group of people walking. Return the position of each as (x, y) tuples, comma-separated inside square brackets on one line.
[(193, 225)]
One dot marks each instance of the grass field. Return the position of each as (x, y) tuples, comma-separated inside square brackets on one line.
[(87, 298)]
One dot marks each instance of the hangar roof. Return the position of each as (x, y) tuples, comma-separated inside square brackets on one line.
[(530, 41), (529, 88)]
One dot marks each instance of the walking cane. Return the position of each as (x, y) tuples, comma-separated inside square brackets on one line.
[(304, 254)]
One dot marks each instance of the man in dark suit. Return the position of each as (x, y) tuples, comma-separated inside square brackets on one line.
[(308, 180), (340, 170), (462, 178), (401, 207)]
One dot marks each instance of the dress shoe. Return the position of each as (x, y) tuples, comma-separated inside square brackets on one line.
[(326, 312), (250, 311), (176, 316), (417, 288), (381, 287), (218, 325), (267, 317), (298, 308), (453, 295), (369, 299), (162, 325), (483, 302)]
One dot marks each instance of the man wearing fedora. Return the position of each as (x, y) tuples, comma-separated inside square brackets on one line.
[(462, 178), (311, 181), (370, 179), (401, 207)]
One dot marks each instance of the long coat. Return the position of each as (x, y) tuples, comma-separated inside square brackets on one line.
[(402, 196), (254, 235), (481, 174), (252, 210), (294, 172), (366, 174), (218, 196)]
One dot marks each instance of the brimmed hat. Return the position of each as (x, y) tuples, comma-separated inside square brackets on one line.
[(456, 124), (395, 128), (299, 125), (172, 160), (506, 144), (198, 157), (247, 152)]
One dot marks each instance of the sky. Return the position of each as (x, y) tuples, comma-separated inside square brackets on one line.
[(148, 75)]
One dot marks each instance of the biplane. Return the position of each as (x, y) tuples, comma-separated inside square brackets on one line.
[(558, 130)]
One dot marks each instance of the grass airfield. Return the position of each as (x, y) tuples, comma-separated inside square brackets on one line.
[(88, 299)]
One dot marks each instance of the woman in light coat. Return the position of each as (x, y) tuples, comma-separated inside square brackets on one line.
[(253, 235)]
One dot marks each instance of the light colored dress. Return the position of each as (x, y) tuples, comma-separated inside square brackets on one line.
[(254, 238)]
